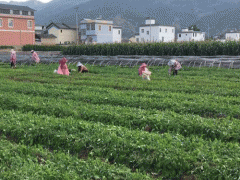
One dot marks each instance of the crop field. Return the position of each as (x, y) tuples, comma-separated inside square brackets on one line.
[(111, 124)]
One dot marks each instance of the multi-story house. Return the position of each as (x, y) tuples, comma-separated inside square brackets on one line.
[(190, 35), (151, 32), (100, 31), (17, 25), (64, 33), (232, 35)]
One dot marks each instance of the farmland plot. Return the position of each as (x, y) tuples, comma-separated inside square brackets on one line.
[(110, 124)]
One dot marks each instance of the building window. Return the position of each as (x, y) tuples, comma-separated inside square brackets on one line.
[(1, 22), (186, 34), (88, 26), (10, 22), (99, 27), (61, 30), (93, 26), (16, 12), (24, 12), (109, 28), (193, 34), (142, 39), (32, 13), (160, 30), (165, 30), (29, 24), (5, 11), (137, 39), (142, 30), (83, 32), (179, 35), (119, 32), (147, 32)]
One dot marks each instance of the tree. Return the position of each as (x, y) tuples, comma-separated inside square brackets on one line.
[(193, 27)]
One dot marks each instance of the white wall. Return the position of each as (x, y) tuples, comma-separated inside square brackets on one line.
[(155, 35), (193, 36), (104, 35), (117, 38), (232, 36), (99, 36)]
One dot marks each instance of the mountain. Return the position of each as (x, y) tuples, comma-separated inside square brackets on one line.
[(212, 15)]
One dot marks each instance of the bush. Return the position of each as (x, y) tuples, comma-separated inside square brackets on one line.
[(6, 47), (43, 48)]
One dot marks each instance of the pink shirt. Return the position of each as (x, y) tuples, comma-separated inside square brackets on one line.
[(13, 57), (177, 65), (35, 57), (63, 69)]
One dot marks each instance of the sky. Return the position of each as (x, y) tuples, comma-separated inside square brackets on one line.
[(44, 1)]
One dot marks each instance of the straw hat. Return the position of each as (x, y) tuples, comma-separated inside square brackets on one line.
[(12, 50), (171, 62), (32, 51), (79, 64)]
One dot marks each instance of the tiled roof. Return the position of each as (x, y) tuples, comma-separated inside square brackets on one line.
[(48, 36), (233, 31), (16, 7), (62, 26), (143, 25)]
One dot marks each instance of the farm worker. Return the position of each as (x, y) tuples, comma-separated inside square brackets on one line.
[(81, 68), (144, 72), (63, 69), (35, 56), (13, 58), (174, 66)]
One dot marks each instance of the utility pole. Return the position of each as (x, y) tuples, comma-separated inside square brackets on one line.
[(77, 24), (150, 30)]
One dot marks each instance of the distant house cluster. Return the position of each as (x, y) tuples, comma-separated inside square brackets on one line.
[(17, 27)]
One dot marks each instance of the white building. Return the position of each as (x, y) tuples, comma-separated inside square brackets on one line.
[(135, 38), (100, 31), (190, 35), (232, 36), (151, 32), (65, 33)]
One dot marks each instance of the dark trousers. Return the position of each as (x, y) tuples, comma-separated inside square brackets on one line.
[(12, 64), (175, 72)]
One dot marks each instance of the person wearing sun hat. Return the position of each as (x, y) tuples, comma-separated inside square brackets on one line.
[(81, 68), (144, 72), (63, 69), (174, 66), (35, 56), (13, 58)]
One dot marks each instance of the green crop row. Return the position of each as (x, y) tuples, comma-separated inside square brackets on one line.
[(24, 162), (157, 49), (122, 79), (133, 118), (203, 105), (166, 154), (43, 48)]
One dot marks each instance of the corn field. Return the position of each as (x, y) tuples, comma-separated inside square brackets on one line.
[(211, 48)]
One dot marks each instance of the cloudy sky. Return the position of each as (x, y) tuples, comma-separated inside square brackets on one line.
[(44, 1)]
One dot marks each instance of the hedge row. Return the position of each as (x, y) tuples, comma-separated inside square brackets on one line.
[(43, 48), (6, 47), (211, 48)]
